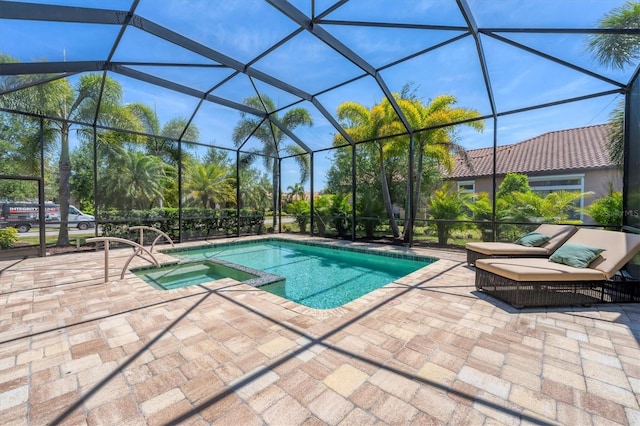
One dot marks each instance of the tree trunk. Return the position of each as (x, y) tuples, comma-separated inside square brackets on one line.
[(64, 194), (64, 191), (443, 233), (416, 196), (386, 197), (276, 193)]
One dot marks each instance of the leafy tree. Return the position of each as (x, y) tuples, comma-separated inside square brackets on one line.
[(560, 206), (11, 164), (20, 139), (81, 179), (273, 139), (20, 146), (513, 182), (339, 173)]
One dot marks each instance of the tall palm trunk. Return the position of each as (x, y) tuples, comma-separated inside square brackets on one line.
[(64, 190), (276, 193), (386, 197), (409, 224)]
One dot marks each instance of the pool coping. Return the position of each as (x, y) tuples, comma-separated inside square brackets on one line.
[(328, 245)]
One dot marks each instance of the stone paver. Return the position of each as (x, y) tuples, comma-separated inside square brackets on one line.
[(346, 379), (427, 349)]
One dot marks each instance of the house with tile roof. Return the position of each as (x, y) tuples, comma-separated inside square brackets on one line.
[(572, 160)]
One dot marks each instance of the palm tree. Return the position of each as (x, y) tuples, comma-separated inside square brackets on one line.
[(75, 104), (255, 189), (616, 51), (211, 185), (161, 138), (296, 192), (447, 205), (362, 123), (437, 143), (138, 181), (70, 104), (272, 139)]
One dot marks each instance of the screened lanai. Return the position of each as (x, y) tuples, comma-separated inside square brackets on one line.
[(335, 118)]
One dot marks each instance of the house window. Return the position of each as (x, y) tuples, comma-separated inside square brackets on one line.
[(545, 185), (467, 186)]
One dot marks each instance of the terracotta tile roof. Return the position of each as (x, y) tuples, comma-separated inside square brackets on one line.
[(559, 151)]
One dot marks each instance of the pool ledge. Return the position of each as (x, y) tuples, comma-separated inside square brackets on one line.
[(262, 278)]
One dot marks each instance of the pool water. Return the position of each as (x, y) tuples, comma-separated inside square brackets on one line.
[(185, 274), (317, 277)]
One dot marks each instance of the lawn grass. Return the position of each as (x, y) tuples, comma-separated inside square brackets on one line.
[(53, 239)]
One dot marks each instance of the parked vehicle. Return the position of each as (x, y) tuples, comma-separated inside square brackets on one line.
[(24, 215)]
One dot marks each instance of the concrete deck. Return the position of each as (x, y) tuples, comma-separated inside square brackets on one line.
[(427, 349)]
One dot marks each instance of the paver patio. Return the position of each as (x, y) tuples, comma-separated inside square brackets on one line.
[(426, 349)]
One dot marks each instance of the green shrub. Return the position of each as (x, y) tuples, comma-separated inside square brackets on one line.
[(446, 206), (8, 237), (607, 210), (301, 211)]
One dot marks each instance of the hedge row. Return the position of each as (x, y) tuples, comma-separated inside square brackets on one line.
[(196, 223)]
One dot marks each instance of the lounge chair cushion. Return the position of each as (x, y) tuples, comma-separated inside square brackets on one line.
[(498, 249), (532, 269), (576, 255), (558, 234), (533, 239), (619, 248)]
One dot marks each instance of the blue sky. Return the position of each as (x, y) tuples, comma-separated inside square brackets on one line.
[(244, 29)]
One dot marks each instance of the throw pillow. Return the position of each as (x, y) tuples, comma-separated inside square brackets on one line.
[(576, 255), (532, 239)]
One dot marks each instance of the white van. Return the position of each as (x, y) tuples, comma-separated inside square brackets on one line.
[(76, 217), (24, 215)]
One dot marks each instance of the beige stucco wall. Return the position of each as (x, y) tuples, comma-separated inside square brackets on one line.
[(595, 181)]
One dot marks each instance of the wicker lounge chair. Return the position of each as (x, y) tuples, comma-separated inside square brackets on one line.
[(558, 234), (542, 282)]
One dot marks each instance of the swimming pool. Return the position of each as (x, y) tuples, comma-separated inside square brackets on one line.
[(316, 275)]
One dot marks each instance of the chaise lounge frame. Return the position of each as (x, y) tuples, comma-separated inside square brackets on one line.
[(520, 294), (530, 282)]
